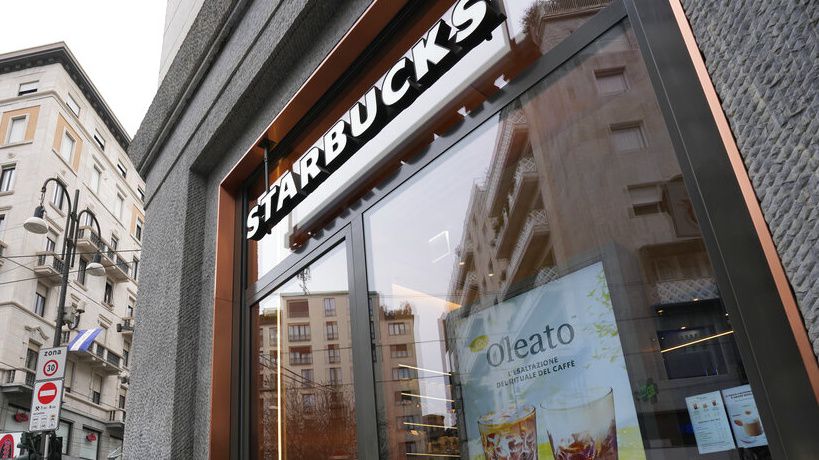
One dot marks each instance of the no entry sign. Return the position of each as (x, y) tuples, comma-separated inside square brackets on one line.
[(47, 393), (45, 406), (51, 363)]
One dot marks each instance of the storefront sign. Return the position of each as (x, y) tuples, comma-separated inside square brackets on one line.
[(711, 429), (543, 374), (745, 421), (447, 42)]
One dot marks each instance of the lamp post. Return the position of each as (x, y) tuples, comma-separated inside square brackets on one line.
[(37, 224)]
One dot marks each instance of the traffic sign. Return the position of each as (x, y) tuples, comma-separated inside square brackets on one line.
[(45, 406), (51, 363), (8, 444)]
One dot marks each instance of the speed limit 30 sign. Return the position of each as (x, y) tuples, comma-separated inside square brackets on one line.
[(51, 363)]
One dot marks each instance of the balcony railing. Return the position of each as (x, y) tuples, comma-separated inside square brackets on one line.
[(298, 337), (49, 267), (298, 359), (113, 359)]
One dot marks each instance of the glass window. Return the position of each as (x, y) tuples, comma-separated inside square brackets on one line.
[(17, 130), (31, 357), (89, 444), (298, 308), (73, 105), (96, 388), (135, 265), (331, 329), (108, 294), (550, 278), (141, 194), (302, 397), (28, 88), (96, 175), (58, 197), (118, 205), (83, 265), (64, 431), (298, 332), (329, 306), (40, 299), (7, 178), (2, 225), (122, 170), (67, 146), (138, 229), (99, 140)]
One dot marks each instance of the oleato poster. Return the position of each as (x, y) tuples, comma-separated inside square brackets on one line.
[(543, 375)]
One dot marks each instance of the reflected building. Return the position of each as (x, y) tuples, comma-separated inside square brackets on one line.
[(306, 354), (588, 149), (414, 420)]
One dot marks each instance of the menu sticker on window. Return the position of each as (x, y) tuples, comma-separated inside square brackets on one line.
[(745, 421), (543, 374), (711, 429)]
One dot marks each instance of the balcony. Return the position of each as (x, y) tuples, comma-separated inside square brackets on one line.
[(88, 241), (48, 267), (118, 268), (513, 215), (16, 380), (116, 421), (531, 247), (126, 327), (300, 359), (101, 359)]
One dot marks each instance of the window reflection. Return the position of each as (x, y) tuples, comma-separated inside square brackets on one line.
[(560, 228), (304, 400)]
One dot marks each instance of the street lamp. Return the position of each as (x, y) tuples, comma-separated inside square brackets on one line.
[(36, 224)]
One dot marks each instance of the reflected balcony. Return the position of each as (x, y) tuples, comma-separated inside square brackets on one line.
[(48, 266), (531, 248), (684, 290), (513, 216)]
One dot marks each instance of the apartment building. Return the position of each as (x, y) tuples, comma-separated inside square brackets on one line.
[(55, 124)]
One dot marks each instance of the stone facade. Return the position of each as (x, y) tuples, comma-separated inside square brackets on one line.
[(763, 58)]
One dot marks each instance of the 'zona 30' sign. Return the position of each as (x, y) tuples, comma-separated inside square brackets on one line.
[(470, 23)]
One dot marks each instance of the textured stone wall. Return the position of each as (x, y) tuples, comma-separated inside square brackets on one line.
[(269, 53), (763, 57)]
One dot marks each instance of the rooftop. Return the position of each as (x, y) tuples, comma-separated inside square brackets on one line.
[(58, 53)]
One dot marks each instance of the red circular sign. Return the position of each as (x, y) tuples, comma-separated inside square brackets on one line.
[(50, 368), (47, 393)]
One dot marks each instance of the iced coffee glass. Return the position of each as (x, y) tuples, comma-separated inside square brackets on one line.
[(581, 424), (510, 434)]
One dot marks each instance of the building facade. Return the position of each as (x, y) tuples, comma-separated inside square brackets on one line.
[(56, 125), (557, 228)]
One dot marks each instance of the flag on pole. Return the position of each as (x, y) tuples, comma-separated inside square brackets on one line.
[(84, 339)]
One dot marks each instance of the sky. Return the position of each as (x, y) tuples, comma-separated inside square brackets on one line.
[(117, 42)]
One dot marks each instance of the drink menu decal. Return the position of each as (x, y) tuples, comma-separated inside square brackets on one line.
[(711, 429), (744, 418), (543, 375)]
